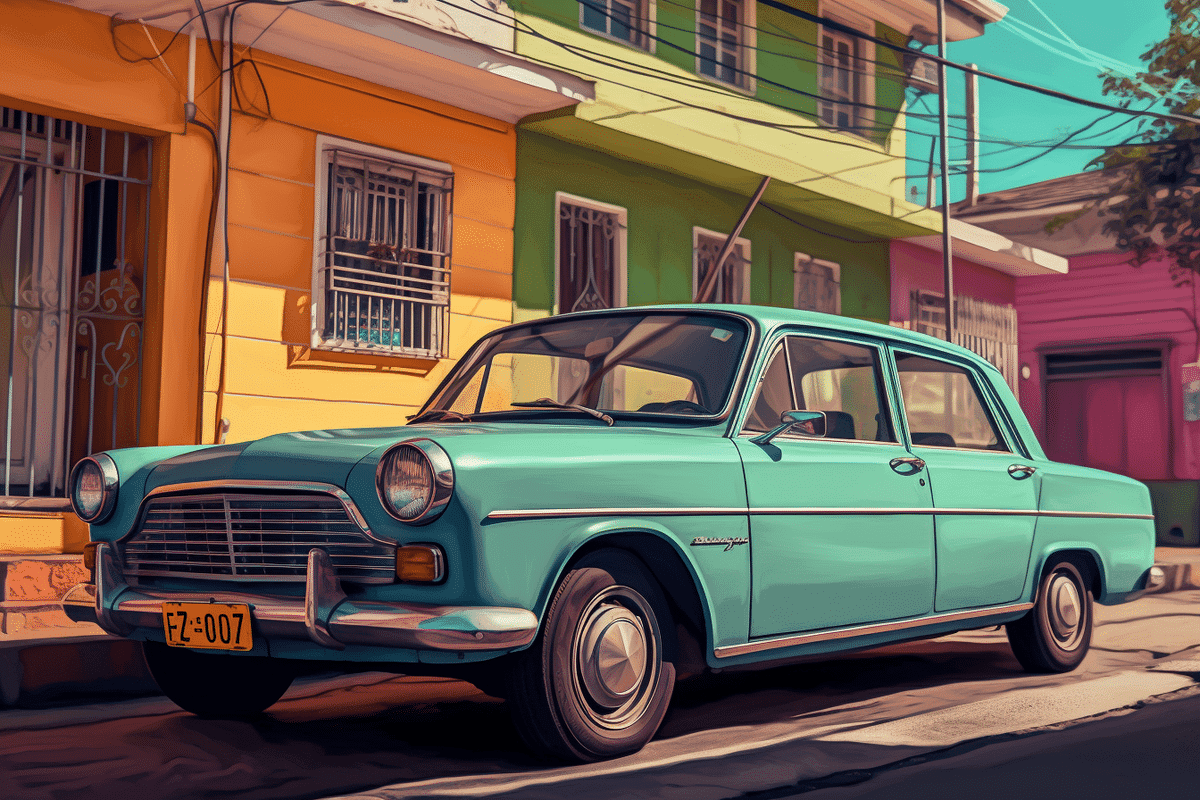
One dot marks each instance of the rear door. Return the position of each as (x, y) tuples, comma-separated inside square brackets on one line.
[(822, 553), (984, 489)]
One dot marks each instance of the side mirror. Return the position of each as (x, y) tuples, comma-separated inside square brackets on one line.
[(805, 423)]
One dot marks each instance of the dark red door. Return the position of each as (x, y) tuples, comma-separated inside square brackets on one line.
[(1116, 423)]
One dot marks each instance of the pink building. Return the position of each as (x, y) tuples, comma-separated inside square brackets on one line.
[(986, 268), (1107, 351)]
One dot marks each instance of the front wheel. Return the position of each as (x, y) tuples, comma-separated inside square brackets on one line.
[(217, 685), (1055, 635), (597, 681)]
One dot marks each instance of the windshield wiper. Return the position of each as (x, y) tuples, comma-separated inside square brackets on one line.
[(439, 415), (546, 402)]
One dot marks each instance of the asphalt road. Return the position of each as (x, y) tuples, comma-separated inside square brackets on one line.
[(927, 711)]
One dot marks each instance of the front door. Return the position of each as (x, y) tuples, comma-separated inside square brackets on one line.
[(821, 554), (983, 546)]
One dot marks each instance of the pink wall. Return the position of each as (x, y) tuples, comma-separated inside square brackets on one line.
[(915, 267), (1104, 300)]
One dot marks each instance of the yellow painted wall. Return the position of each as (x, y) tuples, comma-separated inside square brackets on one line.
[(274, 380), (69, 63)]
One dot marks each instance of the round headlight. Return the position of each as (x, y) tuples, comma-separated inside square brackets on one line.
[(415, 481), (94, 488)]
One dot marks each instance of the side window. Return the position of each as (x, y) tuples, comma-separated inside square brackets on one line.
[(943, 406), (839, 378)]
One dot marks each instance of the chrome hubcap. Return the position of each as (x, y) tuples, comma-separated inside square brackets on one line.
[(1064, 608), (616, 657)]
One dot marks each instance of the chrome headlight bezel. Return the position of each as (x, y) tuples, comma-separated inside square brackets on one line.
[(440, 473), (109, 478)]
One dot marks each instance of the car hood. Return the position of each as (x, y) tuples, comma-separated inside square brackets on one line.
[(328, 456)]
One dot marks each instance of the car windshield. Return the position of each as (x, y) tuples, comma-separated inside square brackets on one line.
[(651, 363)]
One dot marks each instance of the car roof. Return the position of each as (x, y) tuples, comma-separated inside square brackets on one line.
[(772, 317)]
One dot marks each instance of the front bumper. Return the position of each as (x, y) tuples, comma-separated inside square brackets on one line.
[(324, 615)]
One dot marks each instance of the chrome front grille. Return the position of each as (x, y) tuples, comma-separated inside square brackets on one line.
[(252, 537)]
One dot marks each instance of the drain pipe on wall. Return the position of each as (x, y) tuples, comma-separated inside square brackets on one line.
[(221, 427)]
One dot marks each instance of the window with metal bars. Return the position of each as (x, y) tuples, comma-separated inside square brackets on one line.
[(591, 254), (624, 20), (383, 266), (733, 285)]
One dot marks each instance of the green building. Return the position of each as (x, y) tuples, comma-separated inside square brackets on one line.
[(626, 199)]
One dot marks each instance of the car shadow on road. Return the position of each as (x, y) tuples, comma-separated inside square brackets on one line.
[(782, 693)]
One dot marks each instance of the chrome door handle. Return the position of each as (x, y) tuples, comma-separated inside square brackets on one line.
[(1020, 472), (907, 465)]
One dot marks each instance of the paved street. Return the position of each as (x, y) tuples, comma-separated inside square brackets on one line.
[(872, 720)]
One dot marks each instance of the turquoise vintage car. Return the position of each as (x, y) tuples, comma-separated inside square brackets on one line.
[(591, 506)]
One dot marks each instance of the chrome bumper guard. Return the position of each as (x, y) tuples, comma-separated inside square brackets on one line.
[(325, 615)]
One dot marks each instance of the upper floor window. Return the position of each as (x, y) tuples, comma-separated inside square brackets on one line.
[(590, 254), (817, 284), (630, 21), (383, 252), (724, 41), (733, 285), (846, 73)]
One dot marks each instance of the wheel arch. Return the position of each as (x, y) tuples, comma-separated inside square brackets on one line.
[(1085, 558), (661, 555)]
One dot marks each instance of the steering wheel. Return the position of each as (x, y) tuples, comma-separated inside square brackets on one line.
[(676, 407)]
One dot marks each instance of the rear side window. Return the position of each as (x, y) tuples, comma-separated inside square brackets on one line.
[(943, 406), (840, 378)]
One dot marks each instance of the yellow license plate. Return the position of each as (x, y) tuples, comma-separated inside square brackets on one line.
[(214, 626)]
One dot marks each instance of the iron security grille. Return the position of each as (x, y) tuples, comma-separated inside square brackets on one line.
[(74, 244), (984, 328), (385, 269), (249, 537)]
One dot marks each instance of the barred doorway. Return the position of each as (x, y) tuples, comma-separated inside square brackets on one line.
[(74, 211)]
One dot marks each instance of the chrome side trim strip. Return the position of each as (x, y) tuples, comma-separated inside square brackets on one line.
[(556, 513), (864, 630), (564, 513)]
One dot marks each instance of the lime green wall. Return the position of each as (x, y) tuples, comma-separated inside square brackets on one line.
[(786, 57), (662, 209)]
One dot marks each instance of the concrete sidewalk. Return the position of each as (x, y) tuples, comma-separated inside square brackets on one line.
[(45, 659)]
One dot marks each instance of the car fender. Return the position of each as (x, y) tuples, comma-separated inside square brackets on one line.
[(721, 582)]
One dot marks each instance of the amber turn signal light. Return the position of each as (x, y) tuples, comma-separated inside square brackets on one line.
[(89, 556), (420, 563)]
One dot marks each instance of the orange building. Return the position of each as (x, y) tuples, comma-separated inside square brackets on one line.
[(358, 160)]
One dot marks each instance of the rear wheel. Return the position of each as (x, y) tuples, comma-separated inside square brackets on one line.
[(597, 681), (1055, 635), (216, 684)]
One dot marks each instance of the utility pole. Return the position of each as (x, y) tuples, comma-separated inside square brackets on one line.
[(944, 150), (972, 136)]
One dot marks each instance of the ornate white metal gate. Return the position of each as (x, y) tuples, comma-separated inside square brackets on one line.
[(74, 213)]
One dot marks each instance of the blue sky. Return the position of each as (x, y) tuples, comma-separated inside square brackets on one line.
[(1118, 30)]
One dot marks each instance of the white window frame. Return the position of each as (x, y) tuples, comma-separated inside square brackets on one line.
[(648, 34), (621, 244), (747, 48), (864, 114), (326, 144), (739, 243), (803, 259)]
